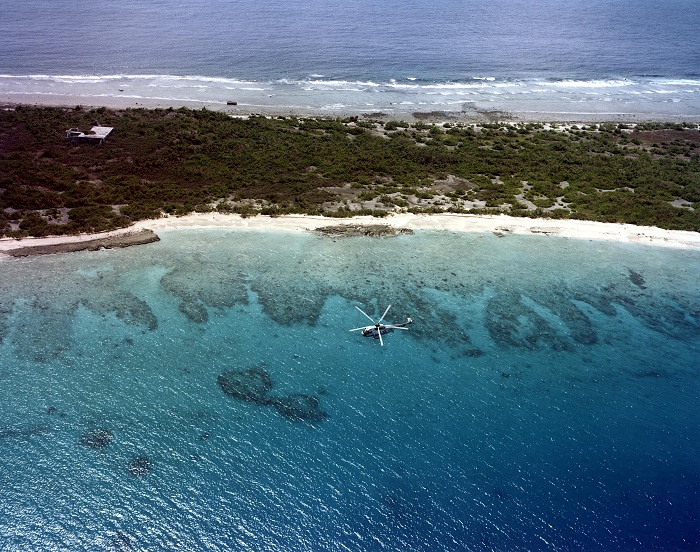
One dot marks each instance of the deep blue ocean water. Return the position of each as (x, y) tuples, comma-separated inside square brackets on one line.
[(589, 57), (545, 398)]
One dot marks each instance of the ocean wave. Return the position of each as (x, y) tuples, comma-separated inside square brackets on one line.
[(413, 82), (124, 77), (614, 83), (342, 83), (648, 94)]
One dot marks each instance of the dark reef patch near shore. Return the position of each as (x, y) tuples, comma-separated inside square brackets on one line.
[(354, 230), (127, 307), (223, 288), (637, 279), (110, 242), (512, 321)]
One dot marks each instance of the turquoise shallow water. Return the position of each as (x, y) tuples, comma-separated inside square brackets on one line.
[(545, 398)]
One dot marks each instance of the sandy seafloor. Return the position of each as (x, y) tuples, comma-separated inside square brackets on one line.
[(544, 399)]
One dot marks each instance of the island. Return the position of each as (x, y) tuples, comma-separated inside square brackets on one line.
[(181, 161)]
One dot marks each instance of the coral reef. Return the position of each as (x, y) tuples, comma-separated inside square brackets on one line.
[(248, 385), (125, 305), (516, 320), (219, 287), (121, 541), (140, 466), (254, 385), (23, 433), (300, 407), (96, 438)]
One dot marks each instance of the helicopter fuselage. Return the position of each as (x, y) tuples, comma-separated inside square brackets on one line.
[(374, 331), (377, 330)]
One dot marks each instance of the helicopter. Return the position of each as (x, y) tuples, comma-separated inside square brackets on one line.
[(377, 330)]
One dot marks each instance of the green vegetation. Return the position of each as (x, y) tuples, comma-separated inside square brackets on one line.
[(178, 161)]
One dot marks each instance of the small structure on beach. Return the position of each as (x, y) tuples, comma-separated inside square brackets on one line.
[(98, 134)]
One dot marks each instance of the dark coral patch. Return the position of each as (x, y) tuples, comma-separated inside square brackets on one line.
[(96, 438), (516, 320), (299, 407), (473, 353), (140, 466), (637, 279), (220, 289), (254, 386), (248, 385), (121, 541), (194, 311)]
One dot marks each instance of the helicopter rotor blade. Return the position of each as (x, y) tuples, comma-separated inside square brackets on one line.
[(383, 315), (381, 342), (363, 312), (356, 329)]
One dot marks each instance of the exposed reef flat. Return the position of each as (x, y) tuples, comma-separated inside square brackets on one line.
[(138, 237), (370, 230)]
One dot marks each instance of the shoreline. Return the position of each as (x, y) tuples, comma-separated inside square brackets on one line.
[(473, 114), (501, 225)]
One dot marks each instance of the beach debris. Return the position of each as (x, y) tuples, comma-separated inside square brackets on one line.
[(501, 231), (368, 230), (140, 466), (547, 231), (96, 438)]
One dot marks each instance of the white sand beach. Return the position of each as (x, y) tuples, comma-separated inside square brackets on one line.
[(502, 225)]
